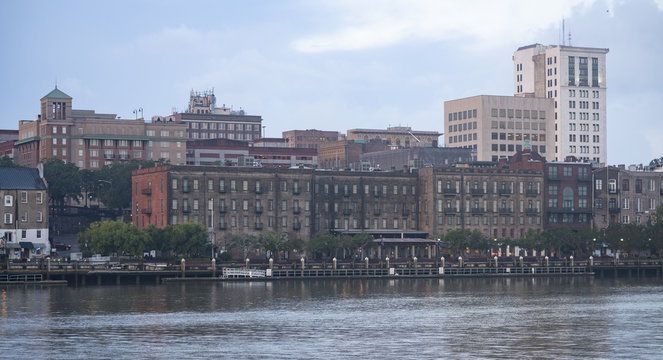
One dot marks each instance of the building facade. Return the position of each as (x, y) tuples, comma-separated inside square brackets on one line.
[(498, 202), (91, 140), (398, 136), (409, 158), (240, 153), (346, 154), (204, 120), (575, 78), (311, 138), (624, 195), (24, 208), (568, 195), (498, 126)]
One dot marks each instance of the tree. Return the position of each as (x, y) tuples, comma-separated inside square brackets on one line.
[(6, 161), (112, 237), (89, 184), (189, 239), (272, 243), (63, 181), (244, 242)]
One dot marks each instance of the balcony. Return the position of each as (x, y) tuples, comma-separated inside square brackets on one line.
[(258, 209), (346, 194), (296, 190), (376, 212), (222, 189), (614, 210), (347, 212), (532, 211), (584, 178), (109, 156), (478, 192), (296, 226), (222, 210), (532, 193), (146, 211), (506, 192), (123, 157), (296, 210), (258, 226), (185, 189), (223, 226), (450, 192), (405, 212), (506, 211), (258, 190), (450, 210), (146, 191), (186, 210), (553, 177), (478, 211), (376, 194)]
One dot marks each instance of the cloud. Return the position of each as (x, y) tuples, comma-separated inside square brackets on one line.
[(374, 24), (659, 3)]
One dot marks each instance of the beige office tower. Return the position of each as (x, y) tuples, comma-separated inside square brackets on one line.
[(499, 126), (574, 77)]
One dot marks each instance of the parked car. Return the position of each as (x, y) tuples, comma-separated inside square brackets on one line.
[(62, 246)]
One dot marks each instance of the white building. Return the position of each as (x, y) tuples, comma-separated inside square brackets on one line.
[(497, 127), (575, 78)]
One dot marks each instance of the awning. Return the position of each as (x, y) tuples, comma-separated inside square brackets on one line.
[(13, 245), (27, 245)]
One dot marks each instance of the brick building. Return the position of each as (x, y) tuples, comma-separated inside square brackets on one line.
[(568, 195), (24, 209), (311, 138), (91, 140), (241, 153)]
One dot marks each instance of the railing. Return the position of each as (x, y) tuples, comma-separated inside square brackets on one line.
[(532, 193), (21, 278), (242, 273), (450, 191), (146, 191)]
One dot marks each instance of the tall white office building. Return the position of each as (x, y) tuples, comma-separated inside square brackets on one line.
[(574, 77)]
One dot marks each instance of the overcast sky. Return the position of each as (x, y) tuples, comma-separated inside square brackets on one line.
[(329, 65)]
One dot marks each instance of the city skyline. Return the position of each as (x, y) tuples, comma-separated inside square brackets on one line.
[(307, 65)]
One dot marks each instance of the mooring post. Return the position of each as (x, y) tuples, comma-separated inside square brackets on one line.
[(271, 263), (414, 261), (460, 261), (366, 260), (213, 267), (183, 265), (334, 263)]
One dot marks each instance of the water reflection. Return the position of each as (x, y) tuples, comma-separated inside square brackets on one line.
[(367, 318)]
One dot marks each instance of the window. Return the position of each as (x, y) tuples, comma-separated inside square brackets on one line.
[(8, 200), (24, 216), (24, 197), (8, 218)]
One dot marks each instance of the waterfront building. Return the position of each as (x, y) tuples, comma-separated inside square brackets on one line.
[(311, 138), (499, 202), (91, 140), (626, 195), (204, 120), (496, 127), (24, 228), (568, 195), (398, 136), (575, 79)]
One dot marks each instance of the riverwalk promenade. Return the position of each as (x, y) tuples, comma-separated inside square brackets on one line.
[(83, 274)]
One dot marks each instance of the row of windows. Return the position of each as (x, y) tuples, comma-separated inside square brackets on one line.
[(584, 93), (224, 126), (518, 113), (463, 126), (9, 199), (9, 217), (463, 115), (482, 187), (461, 138), (532, 206), (231, 136), (517, 136), (488, 220), (612, 185), (541, 149), (517, 125)]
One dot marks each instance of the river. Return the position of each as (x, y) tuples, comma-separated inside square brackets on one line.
[(503, 318)]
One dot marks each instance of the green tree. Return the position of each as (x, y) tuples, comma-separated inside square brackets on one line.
[(6, 161), (243, 242), (63, 181), (89, 184), (272, 242), (189, 239), (112, 237)]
